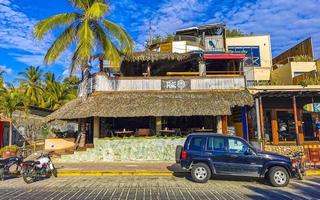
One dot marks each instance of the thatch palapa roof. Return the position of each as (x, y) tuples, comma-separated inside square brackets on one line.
[(152, 56), (138, 104)]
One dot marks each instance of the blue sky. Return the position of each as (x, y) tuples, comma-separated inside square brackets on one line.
[(287, 21)]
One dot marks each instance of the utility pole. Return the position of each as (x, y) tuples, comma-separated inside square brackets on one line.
[(150, 34)]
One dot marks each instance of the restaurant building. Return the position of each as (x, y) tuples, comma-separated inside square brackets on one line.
[(189, 84)]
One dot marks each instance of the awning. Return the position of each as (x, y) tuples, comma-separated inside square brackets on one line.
[(140, 104), (224, 56)]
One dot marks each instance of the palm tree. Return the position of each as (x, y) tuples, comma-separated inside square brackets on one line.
[(12, 99), (56, 93), (30, 81), (91, 33)]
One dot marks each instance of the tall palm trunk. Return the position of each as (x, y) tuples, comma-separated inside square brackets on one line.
[(10, 133), (85, 83)]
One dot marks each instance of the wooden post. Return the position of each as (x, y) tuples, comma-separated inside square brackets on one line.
[(158, 125), (297, 122), (274, 127), (258, 120), (263, 136), (224, 119), (96, 127), (149, 69)]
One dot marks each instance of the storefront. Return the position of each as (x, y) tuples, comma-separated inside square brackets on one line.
[(287, 117)]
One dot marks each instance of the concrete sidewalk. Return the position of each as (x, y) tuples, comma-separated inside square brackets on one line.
[(118, 168)]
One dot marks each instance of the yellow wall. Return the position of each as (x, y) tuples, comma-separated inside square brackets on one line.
[(238, 129), (264, 43), (284, 74)]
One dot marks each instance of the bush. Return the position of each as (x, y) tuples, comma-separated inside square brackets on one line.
[(13, 148)]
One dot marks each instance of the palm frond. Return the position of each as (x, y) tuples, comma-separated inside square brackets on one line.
[(97, 10), (60, 44), (85, 38), (125, 40), (81, 4), (42, 27), (110, 51)]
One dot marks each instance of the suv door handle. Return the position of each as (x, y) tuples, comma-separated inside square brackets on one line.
[(209, 153), (233, 156)]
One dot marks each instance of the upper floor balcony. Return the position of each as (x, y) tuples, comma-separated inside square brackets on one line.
[(100, 82)]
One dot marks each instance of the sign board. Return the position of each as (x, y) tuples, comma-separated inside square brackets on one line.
[(175, 84), (312, 107)]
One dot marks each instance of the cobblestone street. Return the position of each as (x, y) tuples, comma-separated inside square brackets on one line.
[(160, 187)]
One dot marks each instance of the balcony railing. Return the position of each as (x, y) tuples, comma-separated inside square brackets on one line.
[(103, 83)]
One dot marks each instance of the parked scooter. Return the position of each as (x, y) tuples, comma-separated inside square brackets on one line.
[(298, 164), (34, 170), (7, 163)]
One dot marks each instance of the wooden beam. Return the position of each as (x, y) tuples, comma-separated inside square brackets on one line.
[(224, 119), (295, 114), (274, 127)]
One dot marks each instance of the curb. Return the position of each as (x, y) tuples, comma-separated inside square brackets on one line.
[(113, 173), (313, 173)]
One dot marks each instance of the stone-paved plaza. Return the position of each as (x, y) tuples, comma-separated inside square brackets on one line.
[(155, 187)]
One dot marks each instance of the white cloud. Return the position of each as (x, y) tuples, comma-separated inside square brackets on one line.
[(16, 34), (5, 69)]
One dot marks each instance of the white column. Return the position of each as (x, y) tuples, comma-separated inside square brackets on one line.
[(219, 124), (258, 121), (96, 127)]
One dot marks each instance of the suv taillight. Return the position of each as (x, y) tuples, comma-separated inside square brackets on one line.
[(183, 155)]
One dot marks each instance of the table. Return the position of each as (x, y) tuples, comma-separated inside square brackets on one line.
[(203, 130), (167, 132), (123, 133)]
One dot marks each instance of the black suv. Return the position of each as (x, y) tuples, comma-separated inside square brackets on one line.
[(205, 154)]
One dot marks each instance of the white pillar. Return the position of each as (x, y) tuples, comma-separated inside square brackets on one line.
[(258, 121), (219, 124), (202, 68), (96, 127)]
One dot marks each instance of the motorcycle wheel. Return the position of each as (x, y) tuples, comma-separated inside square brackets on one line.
[(55, 173), (299, 174), (28, 178)]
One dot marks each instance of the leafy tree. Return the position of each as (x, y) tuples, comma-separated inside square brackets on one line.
[(12, 99), (234, 33), (89, 30), (57, 93), (30, 81)]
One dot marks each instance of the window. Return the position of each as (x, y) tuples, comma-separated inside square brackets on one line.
[(236, 146), (216, 144), (196, 143), (295, 74), (252, 54)]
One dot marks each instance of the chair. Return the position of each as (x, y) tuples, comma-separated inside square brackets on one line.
[(143, 132)]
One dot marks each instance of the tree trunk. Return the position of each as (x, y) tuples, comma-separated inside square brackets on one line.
[(10, 133), (85, 82)]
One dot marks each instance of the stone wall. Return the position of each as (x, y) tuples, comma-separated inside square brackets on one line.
[(284, 149), (127, 150)]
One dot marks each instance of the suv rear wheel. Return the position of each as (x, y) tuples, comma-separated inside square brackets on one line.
[(278, 177), (200, 173)]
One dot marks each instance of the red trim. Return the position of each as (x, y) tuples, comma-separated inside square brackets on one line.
[(1, 133), (224, 56)]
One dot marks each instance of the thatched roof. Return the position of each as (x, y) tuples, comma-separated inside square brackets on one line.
[(138, 104), (152, 56)]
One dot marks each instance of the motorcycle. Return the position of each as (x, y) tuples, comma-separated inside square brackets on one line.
[(34, 170), (7, 163), (298, 164)]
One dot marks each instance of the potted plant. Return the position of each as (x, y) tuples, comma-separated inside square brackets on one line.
[(8, 151)]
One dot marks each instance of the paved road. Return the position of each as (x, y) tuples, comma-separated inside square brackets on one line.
[(161, 187)]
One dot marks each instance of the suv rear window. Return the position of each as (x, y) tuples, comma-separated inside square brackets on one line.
[(216, 144), (196, 143)]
